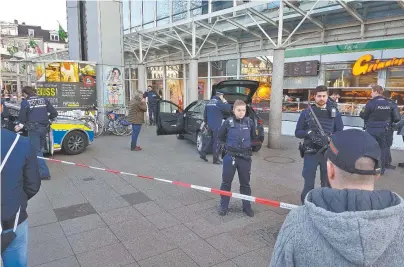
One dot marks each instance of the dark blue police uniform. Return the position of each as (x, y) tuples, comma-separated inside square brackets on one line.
[(34, 116), (307, 129), (331, 103), (152, 98), (213, 116), (5, 114), (237, 135), (378, 116)]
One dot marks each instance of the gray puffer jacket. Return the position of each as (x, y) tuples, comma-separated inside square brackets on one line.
[(343, 228)]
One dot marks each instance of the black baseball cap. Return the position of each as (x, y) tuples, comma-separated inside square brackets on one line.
[(347, 146)]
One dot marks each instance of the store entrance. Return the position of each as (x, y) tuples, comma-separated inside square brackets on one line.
[(175, 91)]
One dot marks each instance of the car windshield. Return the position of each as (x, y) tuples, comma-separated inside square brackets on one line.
[(234, 90)]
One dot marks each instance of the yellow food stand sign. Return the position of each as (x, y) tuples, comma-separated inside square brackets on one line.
[(365, 64)]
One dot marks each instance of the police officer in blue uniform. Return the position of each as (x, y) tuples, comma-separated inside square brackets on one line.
[(5, 113), (315, 143), (378, 116), (236, 133), (390, 134), (152, 98), (34, 116), (215, 110), (332, 101)]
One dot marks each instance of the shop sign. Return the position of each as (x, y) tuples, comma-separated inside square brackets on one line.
[(302, 68), (365, 64)]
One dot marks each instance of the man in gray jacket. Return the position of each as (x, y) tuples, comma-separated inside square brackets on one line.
[(349, 224)]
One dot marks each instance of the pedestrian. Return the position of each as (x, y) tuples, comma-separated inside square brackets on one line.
[(400, 131), (390, 132), (5, 114), (215, 110), (137, 108), (20, 181), (152, 98), (351, 223), (334, 96), (237, 133), (316, 137), (378, 115), (34, 117)]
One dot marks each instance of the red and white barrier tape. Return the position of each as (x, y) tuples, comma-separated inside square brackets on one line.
[(258, 200)]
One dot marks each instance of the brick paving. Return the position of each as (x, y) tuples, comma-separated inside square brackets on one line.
[(85, 217)]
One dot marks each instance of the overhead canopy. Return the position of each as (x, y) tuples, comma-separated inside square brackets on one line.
[(256, 25)]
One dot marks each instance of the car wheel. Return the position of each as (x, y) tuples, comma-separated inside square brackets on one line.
[(199, 141), (256, 148), (75, 143), (180, 137)]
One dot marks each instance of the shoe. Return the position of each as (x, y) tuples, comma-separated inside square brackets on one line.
[(401, 165), (249, 212), (204, 158), (46, 178), (138, 148), (217, 162), (390, 167), (222, 212)]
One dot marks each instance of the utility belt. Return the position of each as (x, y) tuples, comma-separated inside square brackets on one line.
[(241, 153), (308, 148), (34, 124)]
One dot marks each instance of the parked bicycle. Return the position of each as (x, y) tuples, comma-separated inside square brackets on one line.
[(92, 119), (118, 123)]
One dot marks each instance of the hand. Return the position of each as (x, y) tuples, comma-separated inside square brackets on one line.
[(18, 127)]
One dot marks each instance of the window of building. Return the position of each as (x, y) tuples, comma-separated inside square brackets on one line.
[(149, 8), (180, 10), (136, 12), (203, 69), (54, 37), (395, 78), (163, 12), (224, 68), (220, 5), (126, 15), (31, 32), (340, 76)]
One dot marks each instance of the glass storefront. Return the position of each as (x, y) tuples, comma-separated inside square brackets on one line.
[(223, 70), (203, 92), (175, 84)]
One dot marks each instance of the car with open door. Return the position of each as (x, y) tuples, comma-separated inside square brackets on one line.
[(187, 123)]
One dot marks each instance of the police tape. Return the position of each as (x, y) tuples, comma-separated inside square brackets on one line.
[(257, 200)]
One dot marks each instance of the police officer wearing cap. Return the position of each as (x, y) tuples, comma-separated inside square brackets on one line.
[(237, 133), (390, 134), (34, 115), (214, 112), (378, 116), (152, 98), (315, 142)]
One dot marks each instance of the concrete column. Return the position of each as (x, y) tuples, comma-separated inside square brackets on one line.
[(193, 81), (141, 72), (275, 113)]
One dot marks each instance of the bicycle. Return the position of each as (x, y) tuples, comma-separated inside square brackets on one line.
[(118, 124), (93, 120)]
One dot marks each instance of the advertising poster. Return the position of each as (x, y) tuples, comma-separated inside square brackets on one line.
[(113, 86), (75, 88), (40, 71)]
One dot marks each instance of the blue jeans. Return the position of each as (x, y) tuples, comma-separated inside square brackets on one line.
[(16, 253), (38, 139), (135, 133)]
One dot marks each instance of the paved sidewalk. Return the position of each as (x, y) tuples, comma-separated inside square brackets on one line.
[(85, 217)]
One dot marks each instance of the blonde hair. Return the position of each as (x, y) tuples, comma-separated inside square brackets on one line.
[(238, 103)]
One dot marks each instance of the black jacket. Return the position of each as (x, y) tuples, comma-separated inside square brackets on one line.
[(20, 179)]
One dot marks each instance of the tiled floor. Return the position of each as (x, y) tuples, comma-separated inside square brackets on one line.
[(85, 217)]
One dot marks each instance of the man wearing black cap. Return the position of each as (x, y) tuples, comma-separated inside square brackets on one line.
[(351, 223), (315, 125)]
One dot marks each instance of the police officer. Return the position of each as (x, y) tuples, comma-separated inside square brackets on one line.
[(152, 98), (236, 133), (333, 97), (213, 115), (390, 133), (4, 115), (34, 116), (314, 141), (378, 115)]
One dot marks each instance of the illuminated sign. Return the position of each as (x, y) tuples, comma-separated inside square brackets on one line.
[(365, 64)]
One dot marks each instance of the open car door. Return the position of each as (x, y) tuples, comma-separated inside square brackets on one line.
[(170, 118)]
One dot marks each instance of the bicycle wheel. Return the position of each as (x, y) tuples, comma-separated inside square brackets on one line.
[(99, 128), (89, 122), (122, 126)]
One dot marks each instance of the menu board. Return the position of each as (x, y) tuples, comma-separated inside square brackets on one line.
[(67, 84), (300, 69)]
